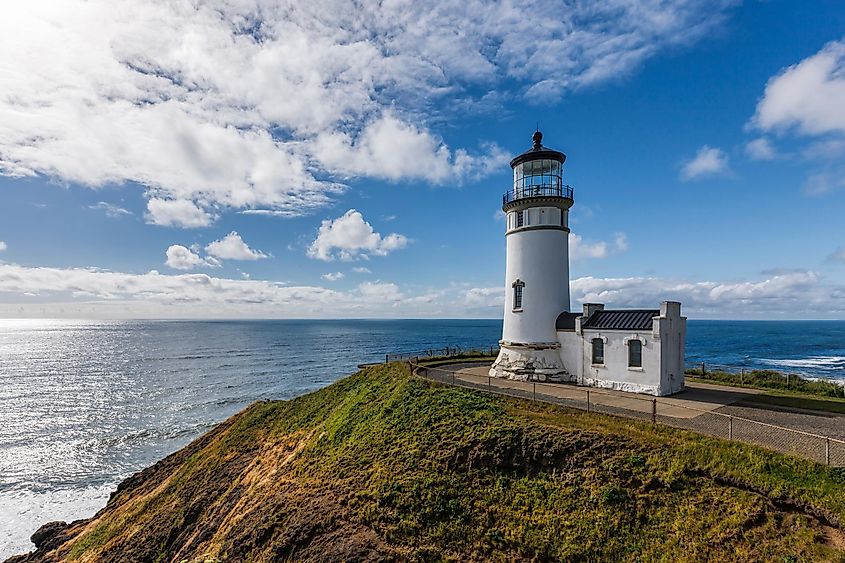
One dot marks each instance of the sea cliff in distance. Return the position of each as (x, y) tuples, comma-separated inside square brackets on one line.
[(384, 466)]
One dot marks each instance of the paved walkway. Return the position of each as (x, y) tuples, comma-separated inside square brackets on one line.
[(696, 399)]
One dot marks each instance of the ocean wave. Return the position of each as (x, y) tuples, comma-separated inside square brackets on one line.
[(813, 362)]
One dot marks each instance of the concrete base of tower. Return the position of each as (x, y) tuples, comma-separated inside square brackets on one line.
[(530, 362)]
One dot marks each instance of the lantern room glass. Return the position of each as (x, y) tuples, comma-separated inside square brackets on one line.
[(539, 175)]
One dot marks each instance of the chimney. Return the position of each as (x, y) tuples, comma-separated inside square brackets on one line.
[(670, 309), (590, 308)]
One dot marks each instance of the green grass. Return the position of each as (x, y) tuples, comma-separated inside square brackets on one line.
[(772, 380), (430, 472)]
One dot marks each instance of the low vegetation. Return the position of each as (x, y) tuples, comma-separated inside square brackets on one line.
[(385, 466), (771, 380)]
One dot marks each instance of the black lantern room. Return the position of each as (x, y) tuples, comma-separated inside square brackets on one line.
[(538, 172)]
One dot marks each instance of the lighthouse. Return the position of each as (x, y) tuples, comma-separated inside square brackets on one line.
[(635, 350), (537, 269)]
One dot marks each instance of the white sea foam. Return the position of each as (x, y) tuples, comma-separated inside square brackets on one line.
[(823, 362), (24, 511)]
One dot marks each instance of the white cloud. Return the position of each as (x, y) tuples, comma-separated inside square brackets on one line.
[(232, 247), (350, 237), (380, 292), (797, 294), (708, 161), (392, 149), (761, 149), (220, 105), (807, 96), (361, 270), (177, 213), (333, 276), (69, 292), (484, 297), (806, 100), (579, 249), (3, 246), (183, 258), (111, 210)]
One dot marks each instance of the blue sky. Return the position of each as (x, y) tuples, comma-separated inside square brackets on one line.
[(359, 157)]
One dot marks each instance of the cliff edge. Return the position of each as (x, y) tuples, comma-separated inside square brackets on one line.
[(384, 466)]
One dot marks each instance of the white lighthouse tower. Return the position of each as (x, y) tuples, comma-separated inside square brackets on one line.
[(537, 270)]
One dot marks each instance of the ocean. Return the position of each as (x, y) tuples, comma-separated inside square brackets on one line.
[(83, 404)]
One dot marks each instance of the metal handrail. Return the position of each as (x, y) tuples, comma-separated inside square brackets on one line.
[(547, 190)]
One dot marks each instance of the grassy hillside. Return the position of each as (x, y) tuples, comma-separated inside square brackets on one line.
[(384, 466)]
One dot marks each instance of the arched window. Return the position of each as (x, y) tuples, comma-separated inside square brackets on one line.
[(635, 354), (517, 294), (598, 351)]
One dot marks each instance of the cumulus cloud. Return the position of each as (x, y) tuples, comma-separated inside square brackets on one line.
[(361, 270), (177, 213), (391, 149), (111, 210), (805, 100), (484, 296), (791, 293), (807, 96), (333, 276), (232, 247), (350, 237), (182, 258), (99, 293), (580, 249), (761, 149), (3, 246), (268, 106), (708, 161)]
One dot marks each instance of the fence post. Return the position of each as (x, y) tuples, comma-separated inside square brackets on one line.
[(787, 380), (827, 451), (489, 390), (741, 376), (386, 356), (654, 410), (730, 428), (453, 378), (703, 371), (588, 400), (534, 393)]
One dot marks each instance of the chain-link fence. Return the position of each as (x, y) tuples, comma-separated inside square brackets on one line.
[(664, 410), (445, 353)]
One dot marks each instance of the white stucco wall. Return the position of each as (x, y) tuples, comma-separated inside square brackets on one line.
[(671, 328), (662, 371), (540, 259), (614, 373), (572, 354)]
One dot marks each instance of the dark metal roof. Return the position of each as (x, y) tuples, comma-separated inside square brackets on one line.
[(566, 321), (626, 319), (538, 151)]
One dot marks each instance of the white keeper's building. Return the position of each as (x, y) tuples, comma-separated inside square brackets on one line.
[(638, 350)]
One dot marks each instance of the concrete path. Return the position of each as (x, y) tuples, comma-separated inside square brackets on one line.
[(695, 400)]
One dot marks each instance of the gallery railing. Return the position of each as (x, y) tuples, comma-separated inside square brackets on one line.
[(537, 191)]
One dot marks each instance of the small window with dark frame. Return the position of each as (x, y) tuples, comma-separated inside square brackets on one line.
[(517, 294), (598, 351), (520, 218), (635, 354)]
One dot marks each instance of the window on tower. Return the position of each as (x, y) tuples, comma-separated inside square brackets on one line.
[(518, 285), (520, 218), (598, 351)]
